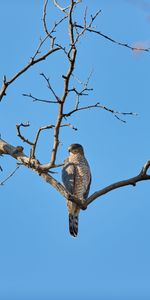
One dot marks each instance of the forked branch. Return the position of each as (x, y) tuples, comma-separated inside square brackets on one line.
[(98, 105), (32, 62), (107, 37), (75, 32)]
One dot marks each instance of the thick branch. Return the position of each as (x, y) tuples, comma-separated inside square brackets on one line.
[(131, 181), (33, 164), (17, 153), (71, 58)]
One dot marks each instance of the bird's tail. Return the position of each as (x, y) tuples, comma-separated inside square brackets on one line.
[(73, 224)]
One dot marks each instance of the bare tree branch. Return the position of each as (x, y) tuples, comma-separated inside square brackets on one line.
[(33, 164), (145, 168), (86, 26), (69, 125), (98, 105), (63, 9), (71, 59), (18, 126), (44, 19), (37, 137), (75, 32), (17, 153), (32, 62), (131, 181), (50, 87), (9, 176), (49, 34), (112, 40), (35, 99), (34, 143)]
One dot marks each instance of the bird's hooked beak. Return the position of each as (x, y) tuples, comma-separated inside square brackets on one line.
[(69, 148)]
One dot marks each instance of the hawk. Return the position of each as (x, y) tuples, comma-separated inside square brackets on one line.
[(76, 177)]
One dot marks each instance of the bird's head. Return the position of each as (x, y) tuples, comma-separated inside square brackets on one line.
[(75, 149)]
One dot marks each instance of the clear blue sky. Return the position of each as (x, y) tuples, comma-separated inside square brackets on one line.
[(110, 259)]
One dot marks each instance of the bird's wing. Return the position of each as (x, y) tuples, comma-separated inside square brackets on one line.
[(88, 187), (68, 176)]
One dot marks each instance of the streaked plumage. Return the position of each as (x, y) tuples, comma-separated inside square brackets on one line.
[(76, 177)]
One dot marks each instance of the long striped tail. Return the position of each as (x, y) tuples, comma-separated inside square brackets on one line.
[(73, 225)]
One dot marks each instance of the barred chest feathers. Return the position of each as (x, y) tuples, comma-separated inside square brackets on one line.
[(82, 174)]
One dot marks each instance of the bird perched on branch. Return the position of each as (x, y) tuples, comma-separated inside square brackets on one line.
[(76, 177)]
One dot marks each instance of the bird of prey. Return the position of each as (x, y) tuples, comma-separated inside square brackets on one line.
[(76, 177)]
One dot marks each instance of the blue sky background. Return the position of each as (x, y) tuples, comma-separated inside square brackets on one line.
[(110, 258)]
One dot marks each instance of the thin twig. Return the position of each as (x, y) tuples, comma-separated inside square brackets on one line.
[(33, 59), (86, 26), (35, 99), (37, 138), (98, 105), (63, 9), (31, 63), (49, 34), (112, 40), (9, 176), (44, 19), (69, 125), (50, 87), (18, 126), (83, 92)]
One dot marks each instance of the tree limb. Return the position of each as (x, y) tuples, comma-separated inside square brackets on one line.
[(75, 32), (71, 59), (32, 62), (35, 99), (131, 181), (112, 40), (17, 153), (33, 164), (98, 105), (37, 137)]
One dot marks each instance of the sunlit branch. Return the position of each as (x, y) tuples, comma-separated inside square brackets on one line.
[(63, 9), (17, 153)]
